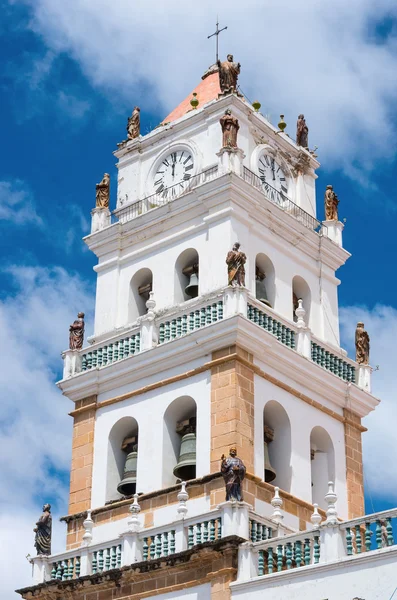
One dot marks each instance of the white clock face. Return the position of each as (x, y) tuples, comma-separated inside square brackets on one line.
[(272, 176), (174, 172)]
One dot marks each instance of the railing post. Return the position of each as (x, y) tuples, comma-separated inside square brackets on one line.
[(247, 566), (364, 377), (85, 567), (149, 333), (230, 161), (303, 334), (332, 542), (100, 218), (41, 569), (334, 231), (235, 300), (71, 363), (235, 519), (180, 536)]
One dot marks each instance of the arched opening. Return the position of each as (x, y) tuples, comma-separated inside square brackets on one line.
[(122, 459), (186, 283), (322, 459), (277, 434), (140, 287), (265, 286), (179, 442), (301, 291)]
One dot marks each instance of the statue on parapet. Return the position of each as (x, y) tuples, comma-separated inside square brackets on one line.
[(362, 345), (134, 124), (228, 75), (230, 127), (43, 531), (103, 192), (235, 261), (302, 132), (76, 333), (233, 471), (331, 204)]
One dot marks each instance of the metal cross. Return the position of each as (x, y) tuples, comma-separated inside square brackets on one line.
[(217, 32)]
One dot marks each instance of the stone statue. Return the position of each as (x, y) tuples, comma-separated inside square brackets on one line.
[(134, 124), (228, 74), (362, 345), (302, 132), (331, 204), (42, 539), (233, 471), (103, 192), (230, 127), (235, 261), (76, 333)]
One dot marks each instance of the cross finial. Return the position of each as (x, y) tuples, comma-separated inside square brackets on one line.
[(217, 32)]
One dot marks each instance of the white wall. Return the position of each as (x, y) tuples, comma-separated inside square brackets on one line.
[(303, 418), (201, 592), (148, 410)]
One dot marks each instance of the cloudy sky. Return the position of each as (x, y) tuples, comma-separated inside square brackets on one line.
[(70, 74)]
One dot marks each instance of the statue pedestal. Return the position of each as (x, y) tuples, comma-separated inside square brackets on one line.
[(235, 518), (235, 301), (230, 160), (71, 363), (334, 231), (364, 377), (100, 218), (41, 569)]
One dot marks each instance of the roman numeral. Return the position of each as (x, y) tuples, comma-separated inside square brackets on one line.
[(181, 156), (160, 189), (189, 168), (261, 171), (173, 156), (267, 160), (282, 178), (186, 176), (166, 163), (160, 172), (263, 178), (284, 189), (187, 160), (158, 181)]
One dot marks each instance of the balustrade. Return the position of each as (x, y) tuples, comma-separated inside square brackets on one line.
[(69, 568), (282, 332), (205, 531), (333, 363), (106, 559), (290, 552), (186, 323), (110, 353), (371, 532), (158, 545), (259, 531)]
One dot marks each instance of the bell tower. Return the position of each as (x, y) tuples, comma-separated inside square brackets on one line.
[(216, 327)]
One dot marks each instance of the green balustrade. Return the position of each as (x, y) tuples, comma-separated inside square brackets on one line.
[(111, 353), (332, 363), (180, 326), (283, 333)]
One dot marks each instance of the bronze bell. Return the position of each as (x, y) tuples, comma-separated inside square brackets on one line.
[(260, 288), (127, 486), (186, 466), (192, 288), (268, 435)]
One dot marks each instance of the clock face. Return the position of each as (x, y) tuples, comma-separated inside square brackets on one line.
[(272, 176), (173, 173)]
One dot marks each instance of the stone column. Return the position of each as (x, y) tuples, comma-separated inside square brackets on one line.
[(100, 218), (334, 231), (364, 377)]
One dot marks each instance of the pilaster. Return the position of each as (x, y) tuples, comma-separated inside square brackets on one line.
[(354, 465)]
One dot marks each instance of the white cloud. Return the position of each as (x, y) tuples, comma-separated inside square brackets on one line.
[(320, 58), (16, 203), (35, 429), (73, 106), (379, 443)]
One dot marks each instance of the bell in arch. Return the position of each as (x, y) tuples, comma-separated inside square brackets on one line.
[(268, 436), (127, 486), (192, 287), (260, 288), (186, 466)]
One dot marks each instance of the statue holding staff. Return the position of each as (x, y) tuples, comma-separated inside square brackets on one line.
[(233, 471), (235, 261), (76, 333), (43, 531)]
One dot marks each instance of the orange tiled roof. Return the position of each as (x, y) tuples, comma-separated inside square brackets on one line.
[(207, 90)]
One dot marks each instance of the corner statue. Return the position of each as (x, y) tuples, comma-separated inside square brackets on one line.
[(302, 132), (230, 127), (134, 124), (362, 345), (233, 471), (42, 540), (228, 74), (103, 192), (76, 333), (235, 261), (331, 204)]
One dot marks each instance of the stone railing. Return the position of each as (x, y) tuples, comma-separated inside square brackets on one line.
[(111, 352), (368, 533), (341, 367), (106, 558), (289, 552), (265, 317), (189, 321), (204, 531)]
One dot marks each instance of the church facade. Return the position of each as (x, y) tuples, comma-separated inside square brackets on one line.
[(216, 448)]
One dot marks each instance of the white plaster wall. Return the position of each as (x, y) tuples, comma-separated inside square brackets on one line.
[(370, 579), (148, 410), (201, 592), (303, 418)]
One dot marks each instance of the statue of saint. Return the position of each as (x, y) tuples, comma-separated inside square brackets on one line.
[(230, 127), (42, 539), (228, 74), (134, 124), (233, 471), (362, 345), (103, 192), (302, 132), (331, 204), (235, 261), (76, 333)]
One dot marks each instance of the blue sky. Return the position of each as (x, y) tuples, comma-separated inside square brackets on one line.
[(69, 77)]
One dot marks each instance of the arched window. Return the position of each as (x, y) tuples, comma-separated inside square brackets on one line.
[(265, 288), (301, 291), (322, 464), (277, 434), (179, 441), (122, 459), (186, 283), (140, 287)]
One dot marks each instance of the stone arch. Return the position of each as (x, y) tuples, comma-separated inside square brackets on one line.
[(116, 457), (181, 409), (322, 460), (264, 267), (140, 286), (186, 264), (276, 418)]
